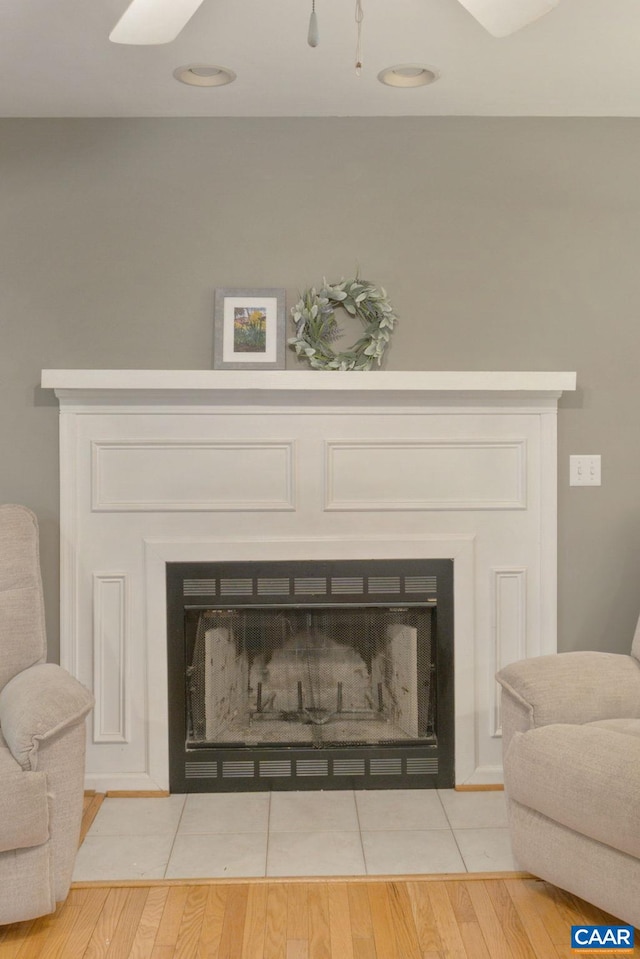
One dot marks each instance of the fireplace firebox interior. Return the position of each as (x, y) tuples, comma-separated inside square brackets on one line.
[(326, 675)]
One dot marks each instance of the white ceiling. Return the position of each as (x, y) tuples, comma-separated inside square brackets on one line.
[(582, 59)]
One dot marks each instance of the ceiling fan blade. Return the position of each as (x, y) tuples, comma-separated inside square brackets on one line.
[(502, 17), (153, 21)]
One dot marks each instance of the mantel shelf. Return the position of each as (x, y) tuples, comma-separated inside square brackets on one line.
[(173, 382)]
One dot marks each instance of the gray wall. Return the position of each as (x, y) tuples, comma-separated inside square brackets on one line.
[(503, 244)]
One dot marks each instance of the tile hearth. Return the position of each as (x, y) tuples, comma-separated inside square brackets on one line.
[(342, 833)]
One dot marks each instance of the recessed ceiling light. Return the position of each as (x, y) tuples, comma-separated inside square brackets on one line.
[(408, 75), (204, 75)]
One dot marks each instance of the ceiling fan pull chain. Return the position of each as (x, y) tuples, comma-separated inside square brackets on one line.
[(359, 19), (313, 37)]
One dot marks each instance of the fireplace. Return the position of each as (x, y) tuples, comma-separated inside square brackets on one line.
[(298, 675), (163, 467)]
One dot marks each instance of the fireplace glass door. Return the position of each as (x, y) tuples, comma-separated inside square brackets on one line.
[(326, 675), (313, 676)]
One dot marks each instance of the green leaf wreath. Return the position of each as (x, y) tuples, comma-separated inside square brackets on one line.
[(317, 326)]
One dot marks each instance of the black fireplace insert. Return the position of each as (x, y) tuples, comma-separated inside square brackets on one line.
[(310, 675)]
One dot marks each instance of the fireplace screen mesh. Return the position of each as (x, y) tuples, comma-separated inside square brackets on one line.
[(291, 676)]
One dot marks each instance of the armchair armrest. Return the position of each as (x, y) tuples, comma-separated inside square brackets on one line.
[(37, 705), (577, 688)]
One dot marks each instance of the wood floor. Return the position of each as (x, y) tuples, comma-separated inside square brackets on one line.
[(499, 916), (470, 917)]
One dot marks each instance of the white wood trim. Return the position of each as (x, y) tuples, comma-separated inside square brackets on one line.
[(545, 640), (461, 549), (322, 381), (303, 412), (110, 657), (518, 500), (283, 501), (509, 591), (69, 658)]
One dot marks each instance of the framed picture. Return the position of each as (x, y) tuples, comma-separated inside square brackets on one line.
[(249, 331)]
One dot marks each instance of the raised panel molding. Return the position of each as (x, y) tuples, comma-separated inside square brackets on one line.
[(190, 476), (110, 657), (509, 592), (460, 474), (70, 654)]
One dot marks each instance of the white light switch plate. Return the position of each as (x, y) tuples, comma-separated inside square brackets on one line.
[(585, 470)]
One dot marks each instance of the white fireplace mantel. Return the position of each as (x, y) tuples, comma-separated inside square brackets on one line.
[(177, 465), (70, 385)]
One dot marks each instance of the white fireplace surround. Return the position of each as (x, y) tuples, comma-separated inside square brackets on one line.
[(159, 466)]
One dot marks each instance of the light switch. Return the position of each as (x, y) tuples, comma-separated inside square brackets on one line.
[(585, 470)]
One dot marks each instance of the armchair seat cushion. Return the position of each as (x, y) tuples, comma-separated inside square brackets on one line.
[(24, 810), (628, 727), (585, 777)]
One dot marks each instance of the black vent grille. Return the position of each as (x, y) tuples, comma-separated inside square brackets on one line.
[(418, 770), (347, 585), (200, 587), (310, 586), (420, 584), (237, 587), (384, 584), (422, 767), (275, 586), (242, 585), (202, 770), (348, 767), (275, 767), (238, 770), (312, 767), (386, 767)]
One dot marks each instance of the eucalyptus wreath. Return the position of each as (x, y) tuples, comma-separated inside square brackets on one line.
[(317, 326)]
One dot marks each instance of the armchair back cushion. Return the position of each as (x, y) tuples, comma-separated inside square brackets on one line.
[(22, 629)]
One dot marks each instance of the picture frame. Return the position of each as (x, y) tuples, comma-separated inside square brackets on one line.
[(249, 329)]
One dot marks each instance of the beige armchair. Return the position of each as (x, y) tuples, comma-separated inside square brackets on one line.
[(571, 740), (42, 737)]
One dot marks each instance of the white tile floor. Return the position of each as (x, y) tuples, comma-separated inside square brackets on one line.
[(208, 835)]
